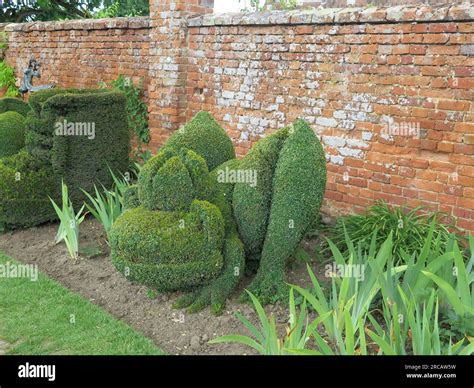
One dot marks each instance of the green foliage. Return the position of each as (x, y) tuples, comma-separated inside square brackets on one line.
[(81, 161), (272, 213), (45, 10), (69, 223), (25, 185), (106, 207), (206, 137), (40, 127), (266, 338), (86, 161), (408, 277), (7, 80), (130, 197), (415, 332), (12, 133), (410, 228), (137, 110), (108, 12), (252, 204), (3, 42), (152, 294), (460, 294), (259, 5), (173, 179), (11, 104), (350, 299), (216, 293), (299, 183), (169, 250), (352, 320)]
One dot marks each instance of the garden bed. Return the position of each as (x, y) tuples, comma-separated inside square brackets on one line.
[(173, 331)]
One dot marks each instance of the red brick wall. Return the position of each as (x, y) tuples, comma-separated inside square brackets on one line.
[(81, 53), (389, 91), (392, 100)]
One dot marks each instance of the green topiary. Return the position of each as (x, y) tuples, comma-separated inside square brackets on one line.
[(25, 186), (40, 127), (270, 212), (206, 137), (11, 104), (86, 160), (252, 204), (298, 188), (12, 133), (130, 197), (178, 249), (82, 154)]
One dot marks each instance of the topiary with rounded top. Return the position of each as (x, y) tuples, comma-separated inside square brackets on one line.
[(172, 179), (260, 221), (298, 185), (12, 133), (11, 104), (205, 136), (170, 250)]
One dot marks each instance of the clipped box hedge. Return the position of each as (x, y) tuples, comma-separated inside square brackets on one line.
[(81, 160), (11, 104), (25, 185), (12, 133), (77, 158)]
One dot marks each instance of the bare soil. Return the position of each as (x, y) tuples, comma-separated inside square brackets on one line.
[(173, 331)]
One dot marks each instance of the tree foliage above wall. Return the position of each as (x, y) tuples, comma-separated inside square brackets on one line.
[(44, 10)]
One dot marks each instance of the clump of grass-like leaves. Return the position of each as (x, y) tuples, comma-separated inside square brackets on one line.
[(409, 229)]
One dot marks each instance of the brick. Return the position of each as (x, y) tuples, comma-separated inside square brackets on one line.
[(445, 147), (255, 78), (468, 139), (453, 105)]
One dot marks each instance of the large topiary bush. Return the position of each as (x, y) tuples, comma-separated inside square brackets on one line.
[(25, 185), (11, 104), (170, 250), (186, 228), (86, 160), (81, 154), (12, 133)]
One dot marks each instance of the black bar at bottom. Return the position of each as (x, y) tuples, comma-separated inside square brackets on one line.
[(368, 371)]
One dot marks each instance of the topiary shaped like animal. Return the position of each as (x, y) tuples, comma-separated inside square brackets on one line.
[(186, 228)]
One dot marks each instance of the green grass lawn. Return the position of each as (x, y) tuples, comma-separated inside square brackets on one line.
[(36, 318)]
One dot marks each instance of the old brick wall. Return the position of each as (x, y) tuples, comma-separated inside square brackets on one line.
[(81, 53), (388, 90), (390, 93)]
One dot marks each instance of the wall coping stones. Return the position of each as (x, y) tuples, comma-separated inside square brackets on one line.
[(82, 24), (396, 14)]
